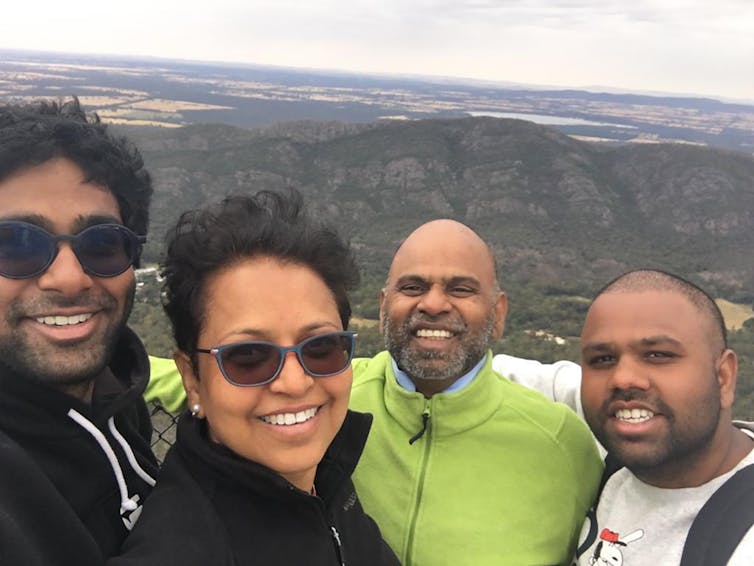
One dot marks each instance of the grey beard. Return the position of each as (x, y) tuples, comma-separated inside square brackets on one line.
[(432, 365)]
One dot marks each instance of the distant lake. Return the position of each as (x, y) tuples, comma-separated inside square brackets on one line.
[(546, 120)]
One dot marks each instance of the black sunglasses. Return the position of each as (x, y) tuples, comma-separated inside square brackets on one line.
[(103, 250), (248, 364)]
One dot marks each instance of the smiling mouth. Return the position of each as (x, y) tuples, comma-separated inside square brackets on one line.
[(634, 416), (289, 419), (434, 334), (59, 320)]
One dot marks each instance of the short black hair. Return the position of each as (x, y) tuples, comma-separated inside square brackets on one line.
[(639, 280), (34, 133), (267, 224)]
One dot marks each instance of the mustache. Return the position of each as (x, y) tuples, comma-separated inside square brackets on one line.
[(452, 323)]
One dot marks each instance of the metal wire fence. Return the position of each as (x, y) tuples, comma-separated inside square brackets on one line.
[(163, 430)]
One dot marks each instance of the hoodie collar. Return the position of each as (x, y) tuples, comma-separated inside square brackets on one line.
[(214, 460), (122, 381)]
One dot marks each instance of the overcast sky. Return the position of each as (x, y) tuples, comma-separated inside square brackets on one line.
[(701, 47)]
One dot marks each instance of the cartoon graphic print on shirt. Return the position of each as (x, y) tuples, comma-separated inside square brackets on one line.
[(608, 549)]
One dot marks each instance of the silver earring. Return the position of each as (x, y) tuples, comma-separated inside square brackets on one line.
[(195, 409)]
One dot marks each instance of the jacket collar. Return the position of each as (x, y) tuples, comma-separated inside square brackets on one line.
[(211, 460), (449, 413)]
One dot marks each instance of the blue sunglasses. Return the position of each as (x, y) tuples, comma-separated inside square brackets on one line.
[(249, 364), (103, 250)]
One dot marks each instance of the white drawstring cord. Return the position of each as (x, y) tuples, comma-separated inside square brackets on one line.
[(129, 453), (126, 503)]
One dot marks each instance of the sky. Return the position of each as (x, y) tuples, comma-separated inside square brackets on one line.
[(700, 47)]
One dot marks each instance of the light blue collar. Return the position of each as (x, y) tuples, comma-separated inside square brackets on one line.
[(405, 381)]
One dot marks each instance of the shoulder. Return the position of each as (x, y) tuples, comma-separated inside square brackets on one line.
[(165, 385), (554, 423), (370, 370), (179, 524), (31, 509)]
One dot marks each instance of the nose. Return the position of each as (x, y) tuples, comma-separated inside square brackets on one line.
[(65, 274), (434, 301), (293, 380), (629, 374)]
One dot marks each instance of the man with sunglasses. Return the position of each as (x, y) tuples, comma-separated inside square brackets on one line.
[(74, 430)]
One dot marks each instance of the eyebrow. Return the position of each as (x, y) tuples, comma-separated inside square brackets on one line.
[(462, 279), (259, 334), (447, 281), (83, 222), (644, 342), (597, 347), (659, 339), (80, 223)]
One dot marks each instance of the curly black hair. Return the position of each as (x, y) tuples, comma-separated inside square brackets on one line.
[(34, 133), (267, 224)]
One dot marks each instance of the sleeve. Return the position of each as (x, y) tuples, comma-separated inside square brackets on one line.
[(165, 386), (559, 382)]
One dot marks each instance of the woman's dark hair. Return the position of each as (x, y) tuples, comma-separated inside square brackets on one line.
[(267, 224), (31, 134)]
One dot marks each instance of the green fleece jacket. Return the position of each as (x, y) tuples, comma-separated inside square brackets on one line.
[(500, 476)]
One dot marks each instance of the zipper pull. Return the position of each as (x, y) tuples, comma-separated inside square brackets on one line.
[(425, 423), (338, 545)]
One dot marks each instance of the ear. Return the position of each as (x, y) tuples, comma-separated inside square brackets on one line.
[(727, 371), (382, 310), (501, 310), (188, 376)]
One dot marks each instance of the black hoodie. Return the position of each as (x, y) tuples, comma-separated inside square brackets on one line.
[(213, 508), (68, 469)]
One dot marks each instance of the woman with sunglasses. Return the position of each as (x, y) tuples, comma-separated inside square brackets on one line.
[(260, 472)]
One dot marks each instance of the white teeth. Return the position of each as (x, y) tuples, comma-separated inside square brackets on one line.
[(288, 419), (633, 415), (427, 333), (64, 320)]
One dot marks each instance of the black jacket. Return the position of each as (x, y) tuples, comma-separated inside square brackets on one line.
[(214, 508), (60, 497)]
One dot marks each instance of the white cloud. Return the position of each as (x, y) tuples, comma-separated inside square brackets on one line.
[(673, 45)]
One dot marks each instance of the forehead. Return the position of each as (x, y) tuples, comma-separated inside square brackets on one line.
[(267, 298), (623, 317), (440, 256), (56, 191)]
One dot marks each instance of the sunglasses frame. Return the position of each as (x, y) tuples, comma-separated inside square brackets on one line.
[(217, 352), (136, 240)]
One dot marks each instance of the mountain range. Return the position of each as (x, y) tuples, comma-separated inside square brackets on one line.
[(559, 212)]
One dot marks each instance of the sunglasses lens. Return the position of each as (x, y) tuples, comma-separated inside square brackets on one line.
[(24, 250), (250, 363), (327, 355), (106, 250)]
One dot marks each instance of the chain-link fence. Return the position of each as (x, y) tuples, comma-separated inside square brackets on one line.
[(163, 430)]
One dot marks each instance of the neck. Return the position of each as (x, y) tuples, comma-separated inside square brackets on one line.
[(81, 391), (304, 480), (429, 387), (724, 453)]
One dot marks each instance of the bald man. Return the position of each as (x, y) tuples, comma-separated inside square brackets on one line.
[(463, 466)]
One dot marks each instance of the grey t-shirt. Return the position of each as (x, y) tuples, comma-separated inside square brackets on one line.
[(642, 525)]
